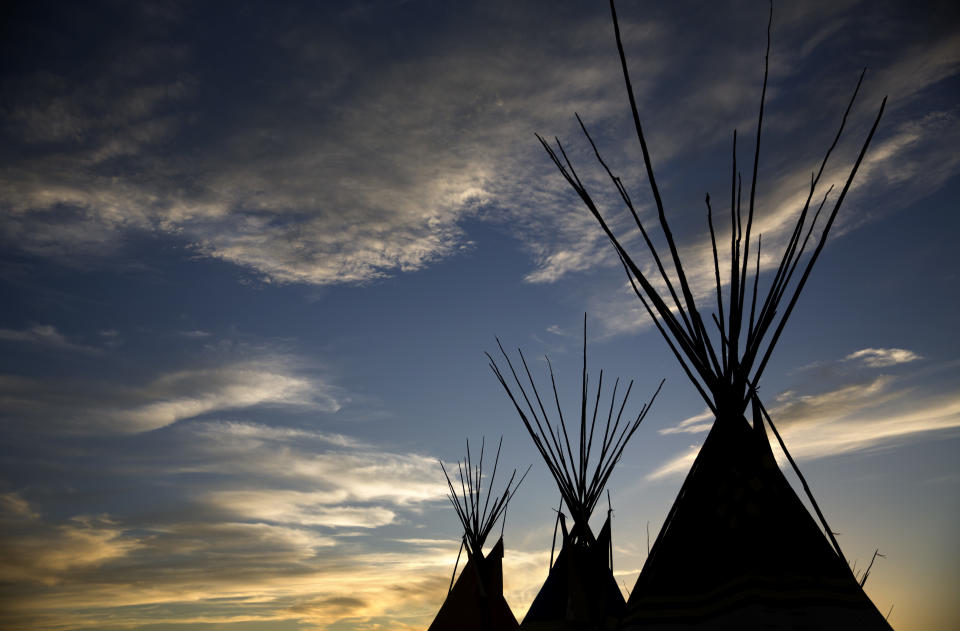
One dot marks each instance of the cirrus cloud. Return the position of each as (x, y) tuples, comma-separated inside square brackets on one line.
[(883, 357), (86, 406)]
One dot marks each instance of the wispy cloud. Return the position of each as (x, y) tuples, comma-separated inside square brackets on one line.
[(279, 524), (879, 412), (36, 550), (353, 186), (256, 573), (910, 160), (244, 434), (816, 440), (189, 393), (382, 189), (297, 507), (693, 425), (255, 545), (94, 406), (195, 334), (349, 486), (837, 403), (883, 357), (44, 335)]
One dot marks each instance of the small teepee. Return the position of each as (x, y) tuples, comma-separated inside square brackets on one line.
[(475, 602), (738, 549), (580, 591)]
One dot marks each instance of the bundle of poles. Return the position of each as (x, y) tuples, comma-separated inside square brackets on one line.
[(478, 518), (719, 366), (581, 473)]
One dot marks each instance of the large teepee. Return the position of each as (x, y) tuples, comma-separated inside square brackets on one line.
[(475, 602), (738, 549), (580, 591)]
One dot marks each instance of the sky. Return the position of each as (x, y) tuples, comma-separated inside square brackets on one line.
[(251, 255)]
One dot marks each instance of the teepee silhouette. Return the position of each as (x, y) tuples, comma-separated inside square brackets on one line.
[(475, 602), (580, 591), (738, 548)]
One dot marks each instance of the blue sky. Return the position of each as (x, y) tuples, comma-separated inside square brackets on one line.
[(251, 259)]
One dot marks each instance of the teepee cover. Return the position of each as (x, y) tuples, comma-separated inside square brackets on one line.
[(739, 550), (476, 601), (580, 591)]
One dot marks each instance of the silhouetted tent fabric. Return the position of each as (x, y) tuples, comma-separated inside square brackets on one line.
[(475, 602), (580, 592), (738, 548)]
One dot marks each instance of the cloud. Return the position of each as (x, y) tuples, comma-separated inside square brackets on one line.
[(195, 334), (838, 403), (336, 469), (97, 560), (245, 435), (303, 508), (692, 425), (336, 605), (347, 166), (857, 417), (910, 160), (189, 393), (44, 335), (816, 440), (910, 157), (213, 573), (35, 550), (883, 357), (577, 245), (306, 477), (676, 465), (342, 182), (922, 65), (83, 406), (278, 523)]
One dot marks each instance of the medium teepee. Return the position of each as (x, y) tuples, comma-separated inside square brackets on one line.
[(580, 592), (475, 602), (738, 549)]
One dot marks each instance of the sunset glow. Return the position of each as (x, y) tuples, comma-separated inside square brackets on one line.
[(252, 257)]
